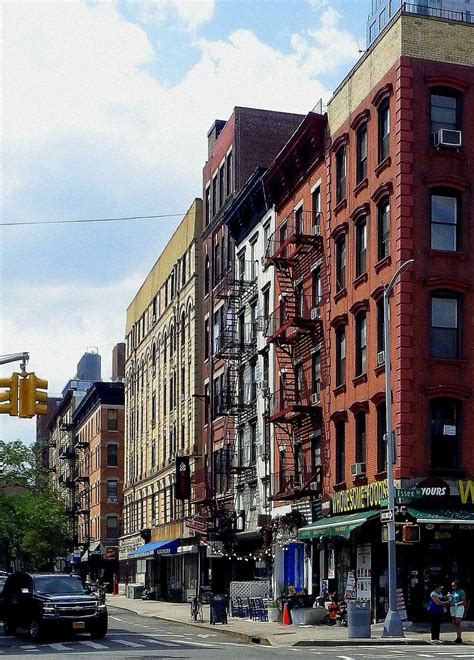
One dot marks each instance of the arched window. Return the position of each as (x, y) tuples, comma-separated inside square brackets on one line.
[(153, 356), (445, 433)]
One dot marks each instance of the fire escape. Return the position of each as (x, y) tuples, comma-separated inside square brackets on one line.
[(295, 329), (81, 490), (67, 456), (237, 402)]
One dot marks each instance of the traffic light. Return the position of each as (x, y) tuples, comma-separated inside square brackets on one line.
[(32, 400), (411, 533), (10, 395)]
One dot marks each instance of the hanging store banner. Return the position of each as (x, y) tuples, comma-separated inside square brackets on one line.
[(183, 478), (367, 496)]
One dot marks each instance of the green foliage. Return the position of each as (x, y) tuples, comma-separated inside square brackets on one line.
[(33, 521)]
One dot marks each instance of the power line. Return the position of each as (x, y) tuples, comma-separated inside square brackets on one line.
[(70, 222)]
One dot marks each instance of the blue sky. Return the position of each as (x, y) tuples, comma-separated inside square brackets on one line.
[(106, 106)]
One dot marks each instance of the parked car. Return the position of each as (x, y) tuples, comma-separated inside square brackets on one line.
[(48, 603), (3, 579)]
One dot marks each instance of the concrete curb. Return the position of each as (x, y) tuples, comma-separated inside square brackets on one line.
[(371, 641), (252, 639)]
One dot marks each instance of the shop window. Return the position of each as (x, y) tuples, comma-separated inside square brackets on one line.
[(361, 343), (384, 130), (383, 229), (360, 437), (361, 246), (444, 220), (361, 166), (340, 429), (445, 325), (341, 174), (445, 433), (340, 355)]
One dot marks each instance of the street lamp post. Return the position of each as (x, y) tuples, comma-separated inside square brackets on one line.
[(393, 626)]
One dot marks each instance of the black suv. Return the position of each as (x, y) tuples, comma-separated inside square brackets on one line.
[(47, 602)]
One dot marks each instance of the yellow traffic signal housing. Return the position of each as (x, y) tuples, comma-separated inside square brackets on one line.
[(32, 400), (10, 395)]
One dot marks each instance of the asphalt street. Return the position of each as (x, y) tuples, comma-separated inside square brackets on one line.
[(132, 636)]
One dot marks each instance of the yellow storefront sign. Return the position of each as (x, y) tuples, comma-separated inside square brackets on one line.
[(466, 491), (367, 496)]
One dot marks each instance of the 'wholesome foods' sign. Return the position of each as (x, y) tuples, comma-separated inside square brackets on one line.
[(367, 496)]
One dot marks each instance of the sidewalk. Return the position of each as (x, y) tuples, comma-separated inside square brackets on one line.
[(275, 634)]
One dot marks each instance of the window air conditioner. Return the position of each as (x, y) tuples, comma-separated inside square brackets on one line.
[(358, 469), (315, 398), (112, 500), (380, 358), (314, 486), (316, 230), (447, 138), (262, 385), (315, 313)]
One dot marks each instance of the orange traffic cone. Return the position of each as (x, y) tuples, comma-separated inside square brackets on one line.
[(286, 619)]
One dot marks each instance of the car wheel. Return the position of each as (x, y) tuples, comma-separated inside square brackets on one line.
[(9, 628), (99, 632), (35, 629)]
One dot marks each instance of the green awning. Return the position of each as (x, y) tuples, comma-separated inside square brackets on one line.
[(443, 516), (337, 525)]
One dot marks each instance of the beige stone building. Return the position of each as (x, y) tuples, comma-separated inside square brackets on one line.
[(162, 416)]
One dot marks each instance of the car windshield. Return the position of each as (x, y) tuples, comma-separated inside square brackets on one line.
[(59, 584), (3, 579)]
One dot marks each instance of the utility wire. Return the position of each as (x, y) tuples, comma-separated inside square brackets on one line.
[(70, 222)]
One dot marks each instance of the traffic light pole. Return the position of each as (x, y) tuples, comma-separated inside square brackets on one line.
[(393, 626), (15, 357)]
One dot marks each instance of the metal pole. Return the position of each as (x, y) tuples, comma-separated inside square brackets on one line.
[(393, 626)]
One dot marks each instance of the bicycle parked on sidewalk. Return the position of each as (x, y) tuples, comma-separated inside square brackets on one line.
[(196, 609)]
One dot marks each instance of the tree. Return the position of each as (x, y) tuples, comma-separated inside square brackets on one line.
[(33, 522)]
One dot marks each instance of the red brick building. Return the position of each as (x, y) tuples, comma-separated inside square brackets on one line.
[(394, 171)]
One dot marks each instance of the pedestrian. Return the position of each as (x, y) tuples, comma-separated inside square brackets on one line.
[(457, 605), (436, 611)]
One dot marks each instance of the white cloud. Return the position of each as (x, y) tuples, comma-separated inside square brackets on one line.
[(78, 97), (191, 13)]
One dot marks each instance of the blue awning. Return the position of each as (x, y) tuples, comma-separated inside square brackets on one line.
[(156, 548)]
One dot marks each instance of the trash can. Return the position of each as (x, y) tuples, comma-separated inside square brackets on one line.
[(218, 609), (358, 618)]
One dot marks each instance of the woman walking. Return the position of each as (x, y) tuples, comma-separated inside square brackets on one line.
[(457, 604), (436, 611)]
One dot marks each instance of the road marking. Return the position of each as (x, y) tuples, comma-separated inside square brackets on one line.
[(125, 642), (93, 645), (425, 655), (115, 618), (60, 647), (344, 657), (158, 641), (187, 641)]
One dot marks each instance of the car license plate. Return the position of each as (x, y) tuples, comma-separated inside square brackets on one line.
[(78, 625)]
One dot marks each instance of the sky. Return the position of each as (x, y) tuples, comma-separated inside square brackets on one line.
[(105, 111)]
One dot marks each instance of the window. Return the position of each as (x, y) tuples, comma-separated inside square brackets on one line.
[(206, 275), (183, 270), (361, 247), (340, 451), (153, 410), (316, 287), (444, 221), (316, 371), (445, 433), (340, 174), (445, 326), (112, 490), (299, 381), (112, 419), (253, 380), (206, 403), (112, 455), (384, 130), (340, 263), (214, 196), (361, 344), (266, 302), (112, 527), (380, 326), (229, 173), (340, 355), (383, 227), (253, 442), (299, 299), (241, 446), (360, 432), (381, 441), (316, 206), (208, 205), (221, 185), (299, 221), (361, 167), (445, 110)]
